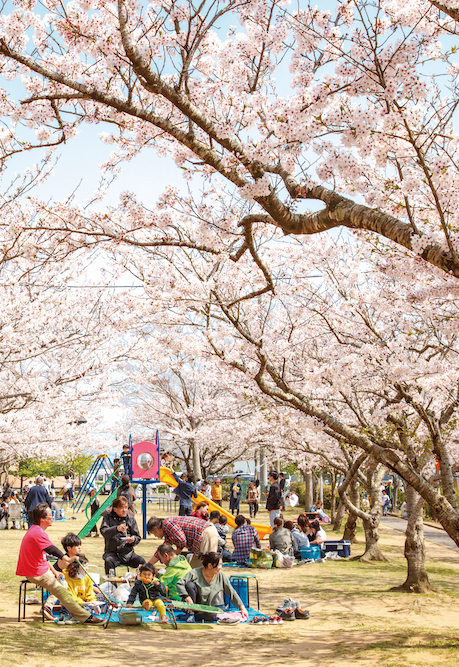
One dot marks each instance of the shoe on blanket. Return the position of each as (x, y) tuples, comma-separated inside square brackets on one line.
[(228, 621)]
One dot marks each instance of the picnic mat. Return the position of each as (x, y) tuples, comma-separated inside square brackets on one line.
[(181, 616)]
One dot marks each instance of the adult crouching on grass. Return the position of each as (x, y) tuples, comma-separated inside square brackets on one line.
[(32, 564), (184, 532)]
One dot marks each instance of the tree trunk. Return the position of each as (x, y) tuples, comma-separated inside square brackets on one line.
[(309, 489), (372, 518), (315, 487), (396, 488), (371, 528), (417, 580), (333, 498), (340, 512), (350, 528), (196, 460)]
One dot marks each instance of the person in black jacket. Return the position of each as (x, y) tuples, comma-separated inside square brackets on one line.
[(121, 535), (273, 500), (150, 590), (281, 481), (36, 495)]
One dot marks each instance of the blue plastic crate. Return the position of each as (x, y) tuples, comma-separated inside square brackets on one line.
[(341, 547), (310, 552)]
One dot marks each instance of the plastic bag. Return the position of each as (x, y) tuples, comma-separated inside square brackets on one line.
[(108, 588), (284, 560), (121, 593)]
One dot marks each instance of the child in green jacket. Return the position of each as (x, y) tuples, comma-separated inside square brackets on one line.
[(176, 568)]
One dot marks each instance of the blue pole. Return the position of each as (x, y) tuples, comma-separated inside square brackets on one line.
[(144, 509)]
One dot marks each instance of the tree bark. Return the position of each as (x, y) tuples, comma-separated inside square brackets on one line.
[(315, 488), (340, 512), (417, 580), (308, 496), (372, 517), (350, 528), (371, 528), (196, 460), (333, 498)]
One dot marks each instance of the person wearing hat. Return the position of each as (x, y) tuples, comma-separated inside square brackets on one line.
[(216, 492), (127, 492)]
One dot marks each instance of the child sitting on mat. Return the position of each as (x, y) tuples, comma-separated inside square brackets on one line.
[(176, 568), (150, 590), (80, 587)]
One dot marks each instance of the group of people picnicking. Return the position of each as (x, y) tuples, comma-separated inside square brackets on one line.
[(67, 580), (31, 494), (201, 534)]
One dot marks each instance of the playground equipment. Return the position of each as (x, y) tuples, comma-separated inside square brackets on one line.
[(167, 477), (92, 520), (145, 466), (145, 460), (101, 464)]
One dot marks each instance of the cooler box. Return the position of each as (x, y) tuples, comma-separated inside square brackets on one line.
[(310, 552), (342, 547), (241, 586)]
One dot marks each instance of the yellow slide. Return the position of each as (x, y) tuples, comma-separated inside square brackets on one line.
[(168, 478)]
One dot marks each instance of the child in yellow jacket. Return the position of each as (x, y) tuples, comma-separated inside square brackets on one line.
[(80, 587)]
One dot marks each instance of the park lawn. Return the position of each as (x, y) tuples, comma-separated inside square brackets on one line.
[(355, 618)]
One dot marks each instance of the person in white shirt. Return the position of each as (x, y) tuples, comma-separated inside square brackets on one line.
[(46, 484), (292, 499), (206, 489), (316, 534)]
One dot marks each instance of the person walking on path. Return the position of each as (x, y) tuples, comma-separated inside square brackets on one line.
[(253, 498), (32, 564)]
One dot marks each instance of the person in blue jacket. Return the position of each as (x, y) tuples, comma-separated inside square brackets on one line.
[(185, 491), (36, 495)]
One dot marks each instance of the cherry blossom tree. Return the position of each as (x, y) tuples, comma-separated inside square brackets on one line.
[(57, 344), (355, 352), (205, 417), (365, 133)]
